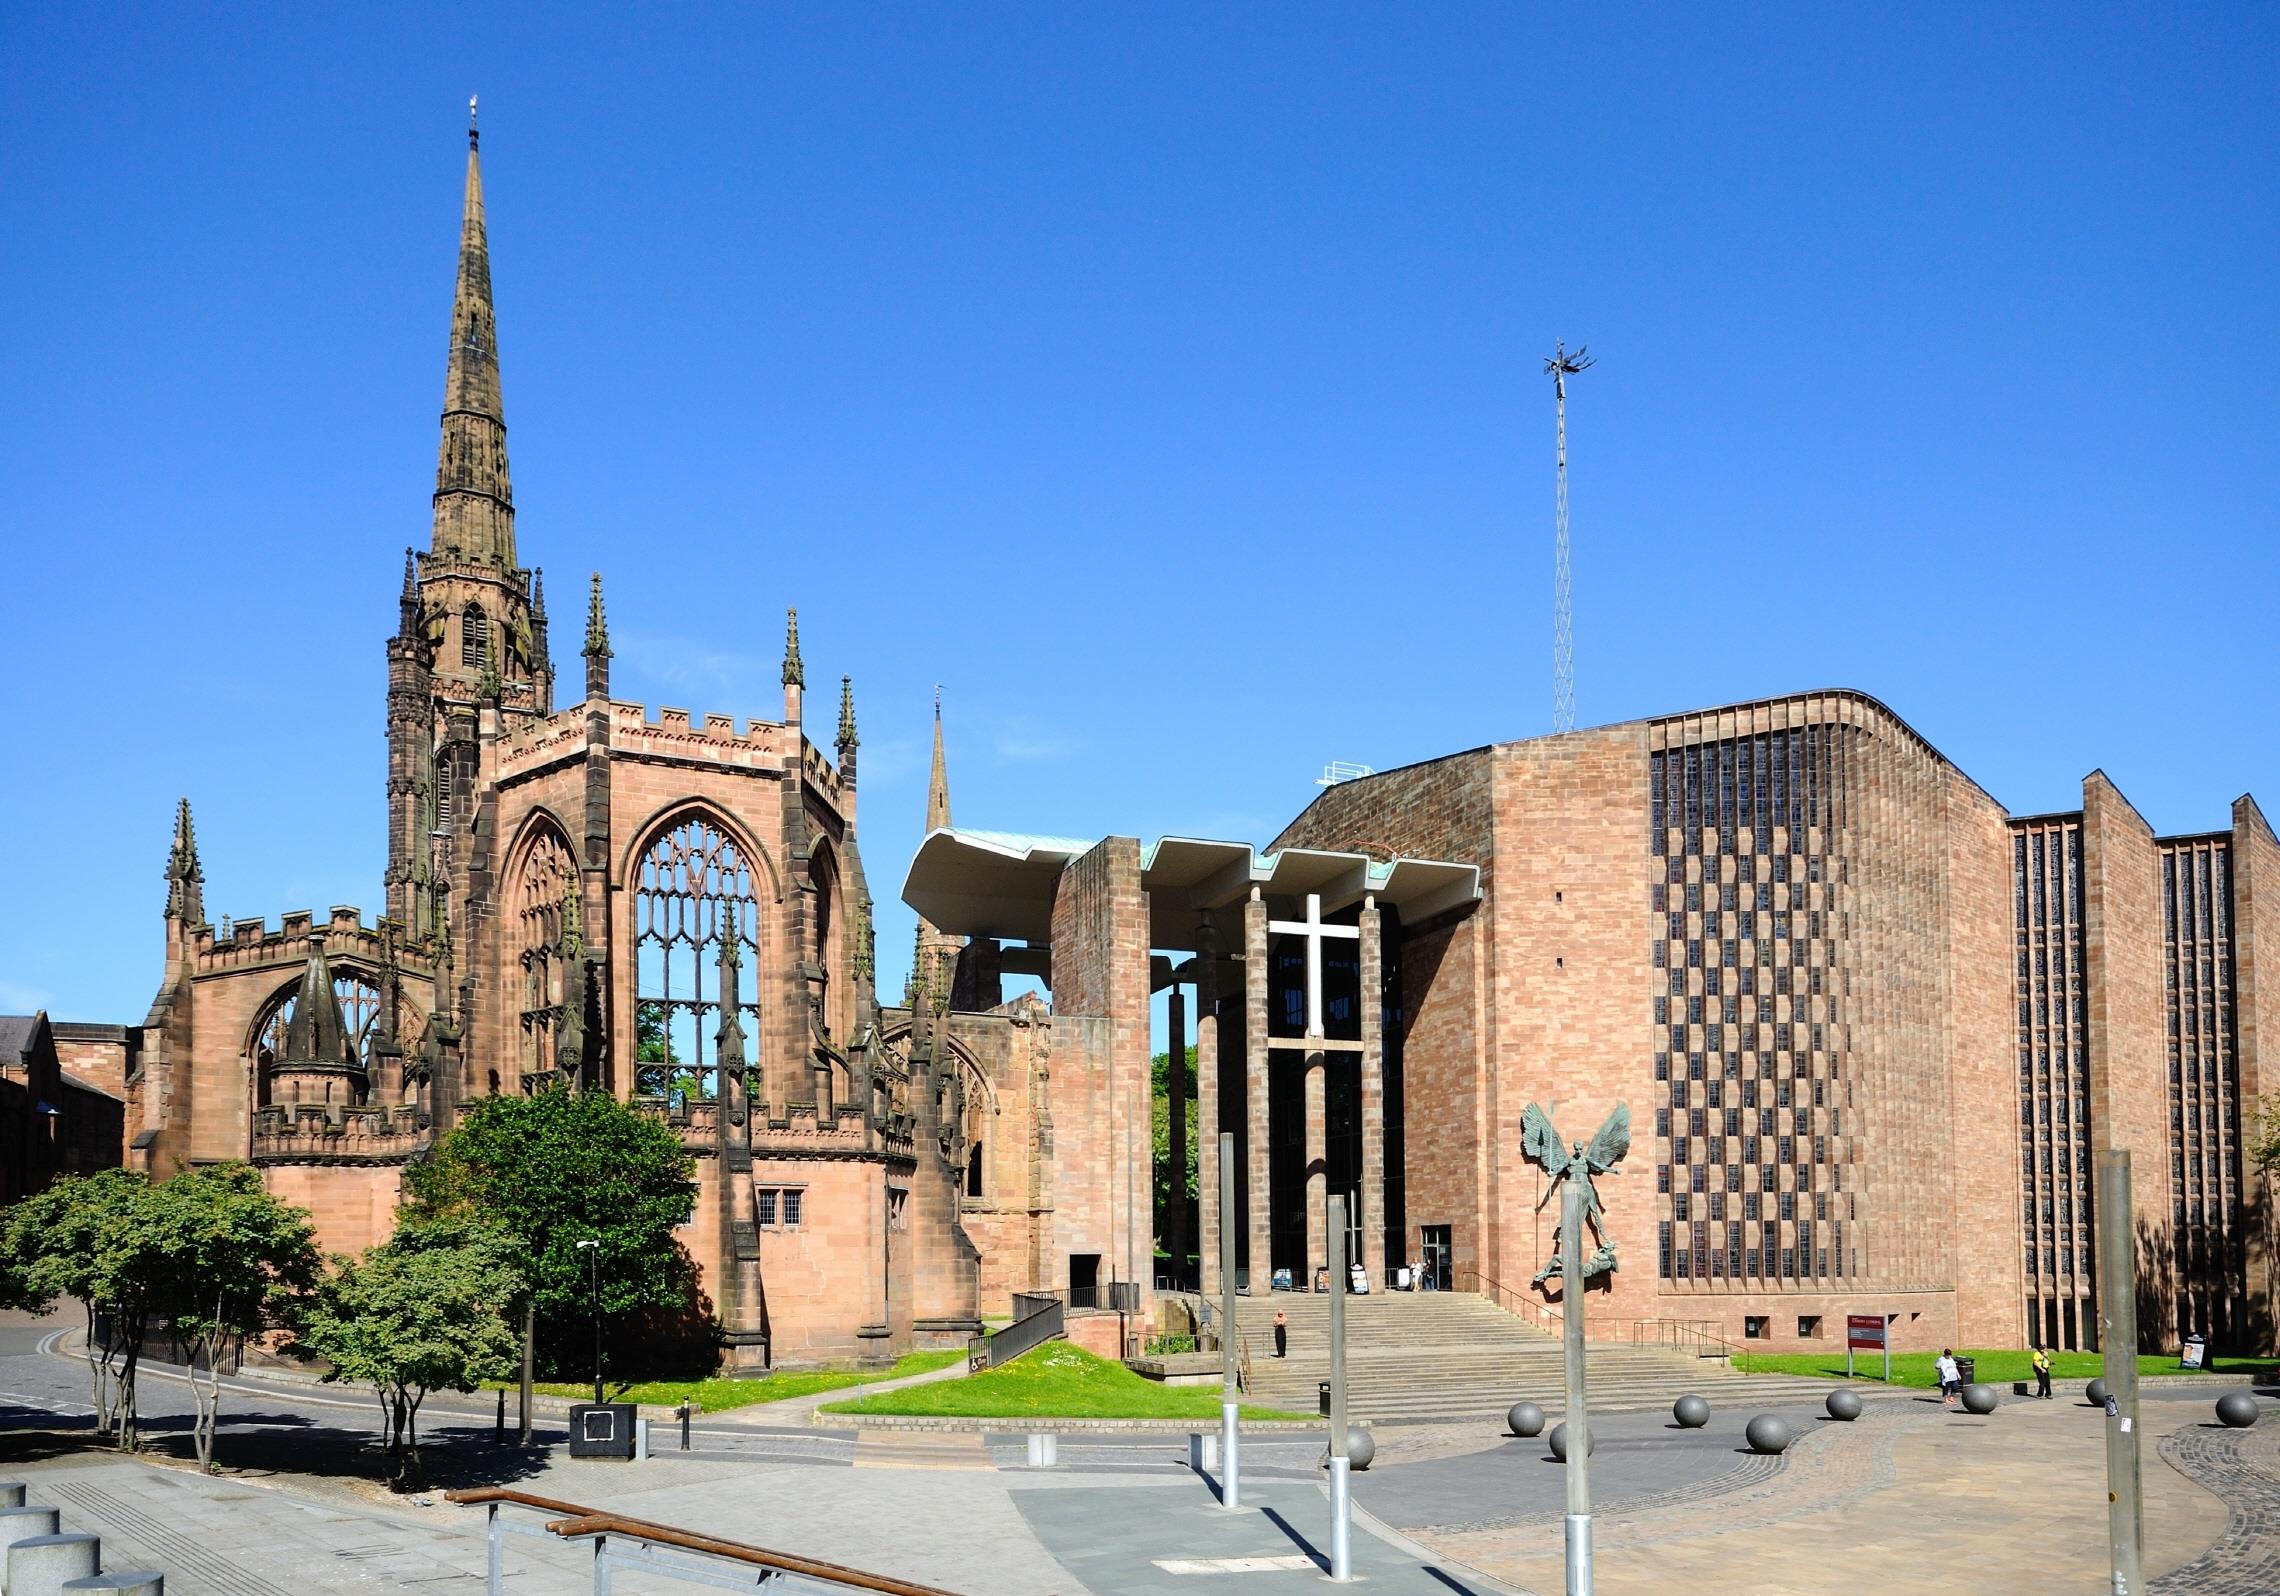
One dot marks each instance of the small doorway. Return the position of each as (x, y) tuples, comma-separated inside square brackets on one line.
[(1437, 1255), (1084, 1279)]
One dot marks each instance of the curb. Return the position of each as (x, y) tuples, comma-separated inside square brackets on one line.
[(1046, 1423)]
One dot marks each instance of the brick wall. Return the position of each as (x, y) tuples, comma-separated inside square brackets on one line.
[(1982, 1061), (2256, 1020)]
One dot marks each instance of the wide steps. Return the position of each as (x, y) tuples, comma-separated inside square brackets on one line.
[(1451, 1355)]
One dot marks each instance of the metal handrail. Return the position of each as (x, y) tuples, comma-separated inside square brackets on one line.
[(1508, 1298), (1044, 1321), (579, 1522), (1702, 1334)]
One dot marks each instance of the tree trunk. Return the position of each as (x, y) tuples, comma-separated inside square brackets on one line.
[(530, 1353), (414, 1472), (99, 1369), (129, 1433), (208, 1395)]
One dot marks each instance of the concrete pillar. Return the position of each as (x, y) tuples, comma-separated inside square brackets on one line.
[(1176, 1080), (1374, 1212), (1257, 1203), (39, 1564), (11, 1493), (139, 1582), (1317, 1165), (1207, 1105)]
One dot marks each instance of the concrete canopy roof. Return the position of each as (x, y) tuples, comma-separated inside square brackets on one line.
[(1001, 884)]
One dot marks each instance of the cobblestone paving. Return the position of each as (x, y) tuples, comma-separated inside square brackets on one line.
[(2243, 1468)]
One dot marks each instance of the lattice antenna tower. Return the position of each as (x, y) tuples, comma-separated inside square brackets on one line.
[(1559, 366)]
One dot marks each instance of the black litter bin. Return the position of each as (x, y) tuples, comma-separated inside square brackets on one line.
[(1967, 1369), (602, 1429), (1322, 1389)]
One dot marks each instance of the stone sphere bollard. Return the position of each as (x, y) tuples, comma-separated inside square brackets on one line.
[(1526, 1419), (1768, 1434), (139, 1582), (2236, 1410), (44, 1562), (1691, 1412), (1559, 1443), (1361, 1448), (2095, 1393), (1978, 1398), (1844, 1405)]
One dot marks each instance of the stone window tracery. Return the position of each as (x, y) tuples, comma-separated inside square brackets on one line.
[(474, 638), (547, 877), (693, 888)]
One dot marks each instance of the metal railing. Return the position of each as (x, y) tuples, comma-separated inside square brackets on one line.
[(1700, 1336), (1510, 1299), (1038, 1318), (640, 1546)]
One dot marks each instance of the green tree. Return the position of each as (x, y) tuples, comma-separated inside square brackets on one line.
[(85, 1238), (229, 1261), (428, 1310), (1169, 1175), (2264, 1137), (554, 1169)]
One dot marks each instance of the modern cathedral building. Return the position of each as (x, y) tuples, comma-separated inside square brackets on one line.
[(1873, 1030)]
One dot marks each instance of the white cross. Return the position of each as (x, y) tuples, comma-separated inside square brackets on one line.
[(1314, 931)]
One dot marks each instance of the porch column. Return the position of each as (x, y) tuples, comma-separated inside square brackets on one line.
[(1208, 1218), (1256, 1198), (1175, 1081), (1374, 1212), (1317, 1164)]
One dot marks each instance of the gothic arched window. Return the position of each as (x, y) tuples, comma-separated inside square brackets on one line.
[(693, 888), (474, 638), (359, 1001), (548, 875)]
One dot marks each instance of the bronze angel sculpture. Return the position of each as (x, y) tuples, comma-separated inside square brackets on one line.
[(1540, 1141)]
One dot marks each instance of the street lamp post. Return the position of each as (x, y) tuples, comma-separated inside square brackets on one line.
[(593, 1250)]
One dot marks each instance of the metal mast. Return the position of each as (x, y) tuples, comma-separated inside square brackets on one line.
[(1559, 366)]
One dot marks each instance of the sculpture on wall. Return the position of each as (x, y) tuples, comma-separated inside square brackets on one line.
[(1540, 1141)]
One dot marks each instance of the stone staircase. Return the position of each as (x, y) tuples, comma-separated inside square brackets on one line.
[(1448, 1355)]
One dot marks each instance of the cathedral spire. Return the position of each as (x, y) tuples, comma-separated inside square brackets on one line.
[(474, 500), (408, 601), (316, 1034), (185, 880), (938, 780)]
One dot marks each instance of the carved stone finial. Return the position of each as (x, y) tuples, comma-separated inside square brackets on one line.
[(795, 673), (847, 737), (597, 628)]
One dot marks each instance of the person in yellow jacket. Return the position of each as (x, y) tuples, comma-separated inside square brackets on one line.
[(2042, 1371)]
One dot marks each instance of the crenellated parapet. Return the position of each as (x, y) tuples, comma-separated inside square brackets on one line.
[(336, 1134), (255, 944)]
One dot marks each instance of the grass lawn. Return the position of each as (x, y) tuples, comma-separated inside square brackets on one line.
[(1058, 1381), (711, 1396), (1999, 1367)]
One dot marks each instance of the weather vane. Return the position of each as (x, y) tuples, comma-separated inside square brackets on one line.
[(1540, 1141)]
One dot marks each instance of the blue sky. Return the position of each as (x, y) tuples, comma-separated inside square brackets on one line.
[(1162, 381)]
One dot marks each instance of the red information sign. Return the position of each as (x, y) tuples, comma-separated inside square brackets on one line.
[(1864, 1330)]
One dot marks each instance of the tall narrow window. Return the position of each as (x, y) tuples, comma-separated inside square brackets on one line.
[(693, 889), (474, 638), (543, 884)]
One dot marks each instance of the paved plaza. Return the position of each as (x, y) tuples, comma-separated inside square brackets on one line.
[(1909, 1498)]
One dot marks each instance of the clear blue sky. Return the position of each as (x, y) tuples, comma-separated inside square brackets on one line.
[(1163, 381)]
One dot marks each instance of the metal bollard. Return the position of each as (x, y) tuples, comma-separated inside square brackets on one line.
[(641, 1440), (1203, 1452), (684, 1416), (1043, 1450)]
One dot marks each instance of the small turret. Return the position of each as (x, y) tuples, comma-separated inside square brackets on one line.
[(408, 627), (795, 673), (319, 1063), (185, 878), (848, 741), (541, 654), (597, 644)]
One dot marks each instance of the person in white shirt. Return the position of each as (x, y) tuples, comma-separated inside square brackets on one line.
[(1951, 1377)]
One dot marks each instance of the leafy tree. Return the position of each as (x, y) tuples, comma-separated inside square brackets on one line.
[(428, 1310), (230, 1260), (557, 1168), (85, 1238), (1170, 1175)]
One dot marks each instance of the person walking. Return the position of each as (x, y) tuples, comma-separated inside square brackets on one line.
[(1282, 1333), (1951, 1378), (2042, 1372)]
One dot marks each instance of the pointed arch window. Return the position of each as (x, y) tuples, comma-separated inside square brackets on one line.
[(693, 889), (474, 638), (543, 886)]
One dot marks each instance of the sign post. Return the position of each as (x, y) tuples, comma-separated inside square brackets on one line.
[(1341, 1453), (2117, 1339), (1578, 1522), (1867, 1330)]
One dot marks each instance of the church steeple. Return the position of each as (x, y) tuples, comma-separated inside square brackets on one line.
[(938, 780), (474, 500)]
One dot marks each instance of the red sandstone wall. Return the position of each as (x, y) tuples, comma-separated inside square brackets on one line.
[(2122, 944), (2256, 1019), (1982, 1054)]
